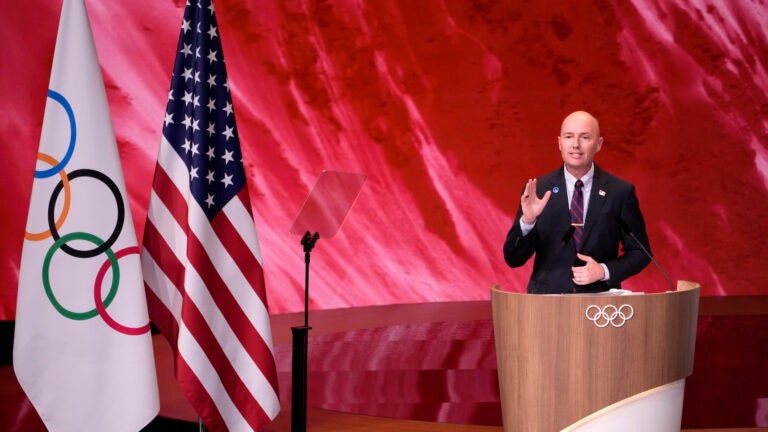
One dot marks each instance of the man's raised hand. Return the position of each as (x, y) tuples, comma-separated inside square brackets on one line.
[(531, 205)]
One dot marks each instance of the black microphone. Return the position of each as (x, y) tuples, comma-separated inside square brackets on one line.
[(627, 229)]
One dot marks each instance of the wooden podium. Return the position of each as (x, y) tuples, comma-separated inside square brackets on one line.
[(575, 361)]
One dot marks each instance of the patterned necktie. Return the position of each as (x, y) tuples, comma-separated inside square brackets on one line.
[(577, 213)]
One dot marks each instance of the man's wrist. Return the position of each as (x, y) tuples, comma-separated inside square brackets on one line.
[(525, 228), (606, 273)]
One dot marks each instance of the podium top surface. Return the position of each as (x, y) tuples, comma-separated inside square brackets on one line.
[(682, 285)]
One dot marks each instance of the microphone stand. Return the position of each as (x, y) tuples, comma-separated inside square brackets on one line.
[(658, 266), (300, 349), (628, 229)]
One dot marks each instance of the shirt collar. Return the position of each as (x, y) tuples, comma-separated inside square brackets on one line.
[(570, 180)]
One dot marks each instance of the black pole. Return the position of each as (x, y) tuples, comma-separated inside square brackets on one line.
[(300, 351), (299, 377), (308, 241)]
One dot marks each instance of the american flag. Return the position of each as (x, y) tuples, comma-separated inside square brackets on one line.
[(201, 259)]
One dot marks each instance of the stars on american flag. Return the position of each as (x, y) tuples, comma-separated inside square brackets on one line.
[(199, 122)]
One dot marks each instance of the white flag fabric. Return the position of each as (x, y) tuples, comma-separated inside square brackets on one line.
[(82, 348)]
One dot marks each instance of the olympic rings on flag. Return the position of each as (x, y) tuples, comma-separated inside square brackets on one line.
[(72, 137), (79, 316), (120, 213), (101, 305), (67, 199), (609, 314), (61, 241)]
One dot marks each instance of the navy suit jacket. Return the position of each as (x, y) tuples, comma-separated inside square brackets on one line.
[(610, 197)]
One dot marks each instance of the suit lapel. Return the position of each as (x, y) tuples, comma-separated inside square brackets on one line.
[(559, 198), (597, 197)]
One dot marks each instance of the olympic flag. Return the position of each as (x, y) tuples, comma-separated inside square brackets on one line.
[(201, 259), (82, 348)]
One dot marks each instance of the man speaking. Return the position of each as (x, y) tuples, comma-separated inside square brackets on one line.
[(575, 218)]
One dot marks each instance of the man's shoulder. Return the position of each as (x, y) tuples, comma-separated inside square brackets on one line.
[(553, 176)]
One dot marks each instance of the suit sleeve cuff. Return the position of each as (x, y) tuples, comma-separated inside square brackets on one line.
[(526, 228), (607, 273)]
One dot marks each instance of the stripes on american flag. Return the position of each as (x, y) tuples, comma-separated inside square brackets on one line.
[(201, 260)]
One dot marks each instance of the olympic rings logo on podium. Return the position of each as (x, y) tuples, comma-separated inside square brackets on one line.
[(609, 314), (100, 246)]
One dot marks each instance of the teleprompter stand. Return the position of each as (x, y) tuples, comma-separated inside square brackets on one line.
[(323, 212)]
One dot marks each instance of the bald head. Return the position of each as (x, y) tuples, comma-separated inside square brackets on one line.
[(579, 140), (583, 117)]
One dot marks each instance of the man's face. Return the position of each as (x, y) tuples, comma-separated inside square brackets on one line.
[(579, 140)]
